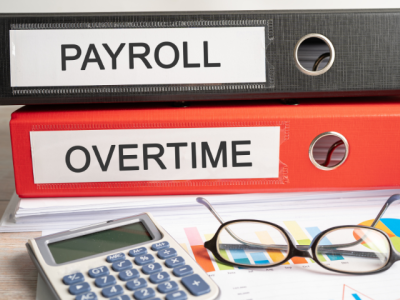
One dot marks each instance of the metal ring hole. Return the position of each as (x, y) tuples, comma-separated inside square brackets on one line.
[(328, 150), (314, 54)]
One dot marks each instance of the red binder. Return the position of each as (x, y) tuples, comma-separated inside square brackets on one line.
[(369, 130)]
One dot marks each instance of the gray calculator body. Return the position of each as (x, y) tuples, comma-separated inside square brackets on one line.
[(129, 258)]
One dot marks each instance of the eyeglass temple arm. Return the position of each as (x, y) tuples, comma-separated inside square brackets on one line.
[(207, 204), (389, 201)]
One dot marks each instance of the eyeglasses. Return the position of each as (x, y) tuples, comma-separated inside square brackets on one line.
[(351, 249)]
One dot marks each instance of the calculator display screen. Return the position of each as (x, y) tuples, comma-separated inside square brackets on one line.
[(99, 242)]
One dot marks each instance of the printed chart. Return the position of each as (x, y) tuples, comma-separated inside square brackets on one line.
[(299, 278)]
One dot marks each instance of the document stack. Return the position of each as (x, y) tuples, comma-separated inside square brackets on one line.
[(287, 117)]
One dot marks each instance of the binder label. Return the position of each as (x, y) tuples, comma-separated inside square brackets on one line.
[(137, 56), (155, 154)]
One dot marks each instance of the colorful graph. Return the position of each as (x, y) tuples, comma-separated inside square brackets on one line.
[(203, 257), (391, 227)]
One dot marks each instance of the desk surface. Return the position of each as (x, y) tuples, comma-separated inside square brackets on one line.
[(17, 273)]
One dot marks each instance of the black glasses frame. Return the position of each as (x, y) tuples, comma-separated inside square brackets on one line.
[(302, 250)]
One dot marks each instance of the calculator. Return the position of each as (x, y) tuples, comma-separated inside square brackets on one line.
[(129, 258)]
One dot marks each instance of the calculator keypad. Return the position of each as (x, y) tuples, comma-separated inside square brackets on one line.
[(159, 277), (100, 271), (180, 295), (138, 251), (144, 294), (168, 287), (182, 271), (122, 265), (136, 284), (128, 280), (87, 296), (144, 259), (196, 285), (115, 257), (167, 253), (175, 262), (129, 274), (73, 278), (79, 288), (112, 291), (105, 281), (159, 246), (151, 268)]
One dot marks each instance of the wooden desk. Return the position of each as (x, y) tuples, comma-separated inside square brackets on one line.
[(17, 273)]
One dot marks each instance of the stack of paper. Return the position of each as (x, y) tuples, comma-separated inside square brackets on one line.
[(65, 213)]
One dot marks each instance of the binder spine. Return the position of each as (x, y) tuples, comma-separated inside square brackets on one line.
[(365, 42), (43, 136)]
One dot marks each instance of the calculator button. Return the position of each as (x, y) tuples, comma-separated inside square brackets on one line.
[(87, 296), (167, 287), (152, 268), (160, 277), (122, 265), (79, 288), (115, 257), (181, 295), (183, 271), (159, 246), (136, 284), (144, 294), (196, 285), (137, 251), (100, 271), (122, 297), (73, 278), (105, 281), (175, 262), (129, 274), (112, 291), (144, 259), (167, 253)]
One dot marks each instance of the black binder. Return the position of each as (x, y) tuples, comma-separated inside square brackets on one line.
[(307, 54)]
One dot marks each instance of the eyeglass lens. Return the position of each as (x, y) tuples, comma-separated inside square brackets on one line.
[(352, 249), (252, 243)]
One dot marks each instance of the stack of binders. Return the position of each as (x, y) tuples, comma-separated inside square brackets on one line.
[(197, 103), (130, 125)]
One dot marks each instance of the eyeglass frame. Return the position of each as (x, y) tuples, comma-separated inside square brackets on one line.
[(302, 250)]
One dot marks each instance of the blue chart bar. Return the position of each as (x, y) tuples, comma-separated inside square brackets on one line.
[(356, 297), (313, 231), (259, 258), (239, 256)]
